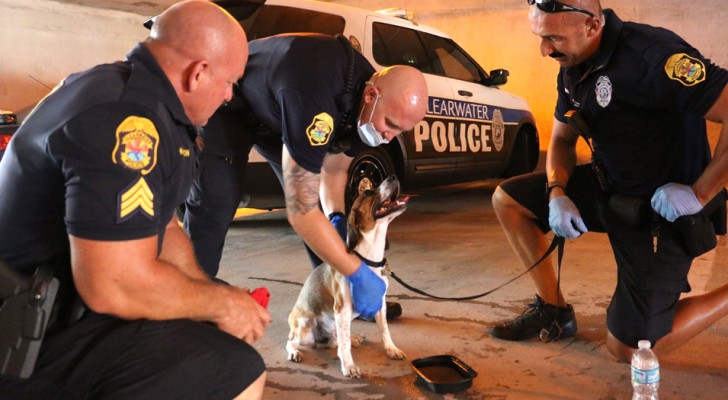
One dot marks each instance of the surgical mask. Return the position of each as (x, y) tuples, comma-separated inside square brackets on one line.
[(367, 132)]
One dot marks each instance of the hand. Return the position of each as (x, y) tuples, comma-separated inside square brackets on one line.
[(674, 200), (367, 291), (564, 218), (338, 220), (245, 318)]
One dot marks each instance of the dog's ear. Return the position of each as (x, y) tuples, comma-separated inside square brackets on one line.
[(353, 235)]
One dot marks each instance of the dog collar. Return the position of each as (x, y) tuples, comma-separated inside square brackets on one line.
[(371, 263)]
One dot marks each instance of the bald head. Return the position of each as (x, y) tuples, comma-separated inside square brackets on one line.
[(403, 91), (203, 51)]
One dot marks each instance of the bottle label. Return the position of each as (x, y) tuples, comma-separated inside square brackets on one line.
[(648, 376)]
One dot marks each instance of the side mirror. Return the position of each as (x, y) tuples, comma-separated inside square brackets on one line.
[(498, 77)]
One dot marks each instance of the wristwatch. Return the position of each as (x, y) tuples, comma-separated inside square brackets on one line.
[(551, 185)]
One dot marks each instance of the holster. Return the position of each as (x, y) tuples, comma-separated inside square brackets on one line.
[(25, 309), (698, 231)]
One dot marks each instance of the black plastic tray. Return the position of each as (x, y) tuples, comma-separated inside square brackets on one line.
[(444, 373)]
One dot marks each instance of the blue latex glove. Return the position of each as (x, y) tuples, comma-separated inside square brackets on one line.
[(338, 220), (367, 291), (564, 218), (674, 200)]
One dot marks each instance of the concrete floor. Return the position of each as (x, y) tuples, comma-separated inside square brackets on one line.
[(449, 243)]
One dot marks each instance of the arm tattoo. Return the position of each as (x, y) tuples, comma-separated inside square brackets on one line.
[(302, 188)]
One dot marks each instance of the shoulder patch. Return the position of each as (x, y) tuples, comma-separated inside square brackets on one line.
[(137, 141), (320, 129), (685, 69)]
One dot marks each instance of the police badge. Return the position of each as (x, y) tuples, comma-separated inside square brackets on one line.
[(603, 91)]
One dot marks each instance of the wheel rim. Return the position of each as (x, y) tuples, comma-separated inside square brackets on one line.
[(368, 173)]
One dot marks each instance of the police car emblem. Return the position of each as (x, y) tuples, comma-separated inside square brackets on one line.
[(136, 144), (603, 90), (320, 129), (499, 129), (685, 69)]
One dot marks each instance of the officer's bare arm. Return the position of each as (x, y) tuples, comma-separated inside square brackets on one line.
[(126, 279), (715, 176), (301, 188), (334, 175), (177, 250)]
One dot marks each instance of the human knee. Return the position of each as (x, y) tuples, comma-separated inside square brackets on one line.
[(618, 349)]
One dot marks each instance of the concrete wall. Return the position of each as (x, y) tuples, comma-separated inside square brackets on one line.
[(45, 40)]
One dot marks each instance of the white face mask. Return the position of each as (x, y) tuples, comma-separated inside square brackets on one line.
[(368, 133)]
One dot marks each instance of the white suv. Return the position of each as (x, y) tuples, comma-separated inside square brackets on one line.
[(472, 130)]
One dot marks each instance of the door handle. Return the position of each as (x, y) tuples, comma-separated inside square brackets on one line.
[(465, 93)]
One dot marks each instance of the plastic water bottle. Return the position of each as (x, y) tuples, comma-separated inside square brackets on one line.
[(645, 372)]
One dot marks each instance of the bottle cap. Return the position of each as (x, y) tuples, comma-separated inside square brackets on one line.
[(644, 344)]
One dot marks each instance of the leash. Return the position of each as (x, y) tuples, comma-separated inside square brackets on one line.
[(557, 242)]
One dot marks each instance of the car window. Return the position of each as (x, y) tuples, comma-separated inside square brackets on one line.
[(395, 45), (429, 53), (272, 20)]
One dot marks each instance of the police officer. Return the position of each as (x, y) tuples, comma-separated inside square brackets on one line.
[(312, 103), (638, 94), (90, 182)]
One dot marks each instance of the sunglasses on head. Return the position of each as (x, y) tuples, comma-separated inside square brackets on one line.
[(553, 6)]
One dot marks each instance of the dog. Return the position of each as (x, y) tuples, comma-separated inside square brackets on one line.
[(323, 312)]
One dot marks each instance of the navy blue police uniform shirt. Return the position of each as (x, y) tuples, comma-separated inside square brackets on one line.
[(294, 86), (106, 156), (643, 97)]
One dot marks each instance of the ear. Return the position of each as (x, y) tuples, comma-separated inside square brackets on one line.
[(353, 237), (594, 26), (195, 74)]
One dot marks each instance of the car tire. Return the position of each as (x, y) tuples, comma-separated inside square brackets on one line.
[(519, 162), (367, 171)]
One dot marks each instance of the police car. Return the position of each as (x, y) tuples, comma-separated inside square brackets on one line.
[(472, 131)]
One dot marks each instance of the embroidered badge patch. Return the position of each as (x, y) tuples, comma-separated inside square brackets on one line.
[(137, 141), (685, 69), (136, 198), (320, 129), (603, 90), (499, 129)]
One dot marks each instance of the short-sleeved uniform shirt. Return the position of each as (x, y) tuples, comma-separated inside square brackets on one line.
[(107, 155), (296, 85), (643, 97)]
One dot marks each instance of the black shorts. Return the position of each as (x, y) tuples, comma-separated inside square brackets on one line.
[(649, 284), (101, 357)]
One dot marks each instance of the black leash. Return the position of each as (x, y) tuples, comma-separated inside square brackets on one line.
[(556, 242)]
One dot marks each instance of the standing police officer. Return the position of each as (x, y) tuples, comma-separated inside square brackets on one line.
[(90, 182), (313, 103), (639, 96)]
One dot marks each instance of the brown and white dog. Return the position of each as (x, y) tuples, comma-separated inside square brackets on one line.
[(323, 312)]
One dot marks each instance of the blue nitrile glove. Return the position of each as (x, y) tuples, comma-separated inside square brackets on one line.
[(564, 218), (367, 291), (674, 200), (338, 220)]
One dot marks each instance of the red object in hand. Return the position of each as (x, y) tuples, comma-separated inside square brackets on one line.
[(261, 295)]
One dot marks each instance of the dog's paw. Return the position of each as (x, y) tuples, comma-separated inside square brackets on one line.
[(352, 371), (358, 340), (294, 356), (396, 354)]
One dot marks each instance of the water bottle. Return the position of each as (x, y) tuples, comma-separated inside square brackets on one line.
[(645, 372)]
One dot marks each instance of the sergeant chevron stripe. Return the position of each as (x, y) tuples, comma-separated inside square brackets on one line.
[(139, 197)]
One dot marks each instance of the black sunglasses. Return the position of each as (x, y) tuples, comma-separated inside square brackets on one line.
[(553, 6)]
